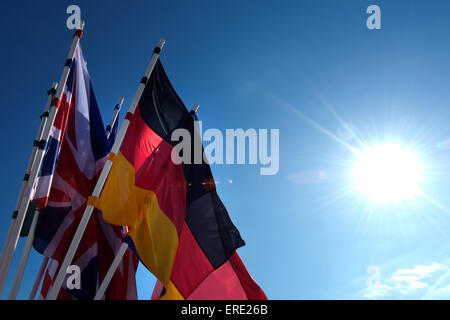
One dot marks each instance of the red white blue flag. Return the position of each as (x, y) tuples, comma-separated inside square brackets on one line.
[(73, 162)]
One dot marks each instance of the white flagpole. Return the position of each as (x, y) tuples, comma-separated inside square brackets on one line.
[(7, 242), (118, 258), (37, 163), (38, 280), (26, 251), (112, 269), (114, 117), (101, 180), (23, 259)]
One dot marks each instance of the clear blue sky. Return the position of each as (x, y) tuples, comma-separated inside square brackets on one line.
[(266, 64)]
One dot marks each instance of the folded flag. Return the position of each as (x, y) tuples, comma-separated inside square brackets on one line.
[(177, 222), (111, 132), (82, 154)]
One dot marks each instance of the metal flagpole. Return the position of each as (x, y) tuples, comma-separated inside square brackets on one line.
[(118, 258), (44, 115), (29, 243), (23, 259), (114, 117), (101, 180), (112, 269), (39, 157), (37, 282)]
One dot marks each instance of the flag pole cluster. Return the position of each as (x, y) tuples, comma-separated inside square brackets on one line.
[(32, 213), (8, 253), (108, 198), (51, 93), (101, 180)]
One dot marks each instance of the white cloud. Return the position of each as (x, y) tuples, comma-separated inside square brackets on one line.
[(421, 270), (411, 283), (441, 293), (376, 292)]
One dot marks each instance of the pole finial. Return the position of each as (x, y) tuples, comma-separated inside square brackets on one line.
[(195, 107)]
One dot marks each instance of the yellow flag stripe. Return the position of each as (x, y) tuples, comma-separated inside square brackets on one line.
[(171, 293), (154, 235)]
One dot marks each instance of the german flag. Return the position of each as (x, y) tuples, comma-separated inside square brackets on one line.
[(179, 226)]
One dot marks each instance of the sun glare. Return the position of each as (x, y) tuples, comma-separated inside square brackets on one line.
[(387, 173)]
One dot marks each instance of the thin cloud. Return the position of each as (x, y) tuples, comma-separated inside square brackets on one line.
[(411, 283), (308, 177)]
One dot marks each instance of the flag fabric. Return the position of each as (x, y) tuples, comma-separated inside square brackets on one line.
[(121, 287), (231, 281), (178, 225), (83, 148)]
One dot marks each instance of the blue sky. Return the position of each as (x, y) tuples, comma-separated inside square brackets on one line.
[(296, 66)]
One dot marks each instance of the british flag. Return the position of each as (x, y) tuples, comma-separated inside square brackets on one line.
[(75, 155)]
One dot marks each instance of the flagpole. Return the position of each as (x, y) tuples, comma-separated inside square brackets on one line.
[(112, 269), (119, 256), (114, 117), (38, 280), (101, 180), (23, 259), (50, 93), (39, 157)]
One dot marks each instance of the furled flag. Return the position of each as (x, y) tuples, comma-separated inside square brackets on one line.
[(177, 222), (83, 150), (111, 133)]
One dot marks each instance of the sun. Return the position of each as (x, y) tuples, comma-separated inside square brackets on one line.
[(387, 173)]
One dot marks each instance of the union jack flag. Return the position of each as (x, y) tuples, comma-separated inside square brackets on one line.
[(75, 156)]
